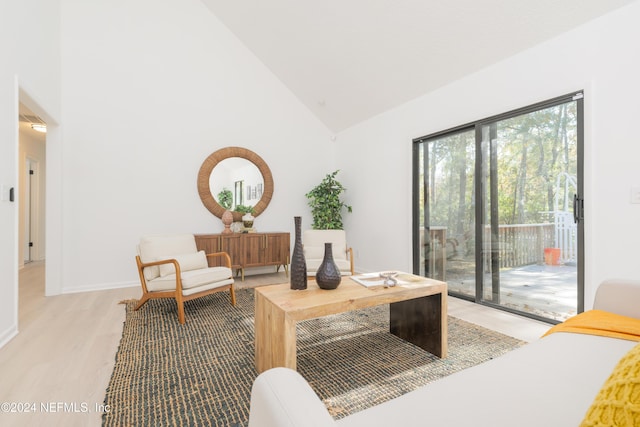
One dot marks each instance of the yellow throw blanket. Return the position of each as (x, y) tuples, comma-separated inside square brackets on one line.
[(602, 323)]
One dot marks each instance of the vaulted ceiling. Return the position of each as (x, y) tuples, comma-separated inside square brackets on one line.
[(348, 60)]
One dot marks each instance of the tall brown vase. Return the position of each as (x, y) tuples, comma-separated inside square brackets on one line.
[(298, 263), (328, 276)]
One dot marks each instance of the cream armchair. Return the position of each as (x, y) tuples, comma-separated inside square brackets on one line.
[(170, 266), (313, 244)]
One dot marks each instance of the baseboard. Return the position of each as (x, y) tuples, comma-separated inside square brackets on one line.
[(100, 287), (8, 335)]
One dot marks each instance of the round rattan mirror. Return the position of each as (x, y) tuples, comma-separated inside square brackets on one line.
[(205, 181)]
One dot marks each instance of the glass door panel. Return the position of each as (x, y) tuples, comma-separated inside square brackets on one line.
[(529, 238), (447, 210)]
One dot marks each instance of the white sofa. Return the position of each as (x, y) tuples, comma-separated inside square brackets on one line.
[(550, 382)]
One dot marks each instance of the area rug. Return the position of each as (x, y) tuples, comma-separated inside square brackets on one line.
[(201, 373)]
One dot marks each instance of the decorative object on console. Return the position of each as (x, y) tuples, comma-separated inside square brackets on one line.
[(227, 220), (328, 276), (247, 221), (237, 227), (298, 263), (247, 218)]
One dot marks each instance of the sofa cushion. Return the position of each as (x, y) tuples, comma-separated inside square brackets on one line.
[(608, 297), (618, 401), (188, 262), (192, 279)]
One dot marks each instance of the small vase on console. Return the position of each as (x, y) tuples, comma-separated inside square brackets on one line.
[(328, 276), (298, 263), (247, 220)]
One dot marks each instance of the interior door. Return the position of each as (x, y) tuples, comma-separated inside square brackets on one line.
[(29, 206)]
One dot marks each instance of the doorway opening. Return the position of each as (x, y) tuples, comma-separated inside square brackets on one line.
[(31, 210), (31, 185)]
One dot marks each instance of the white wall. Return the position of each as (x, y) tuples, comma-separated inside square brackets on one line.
[(601, 57), (30, 69), (151, 88)]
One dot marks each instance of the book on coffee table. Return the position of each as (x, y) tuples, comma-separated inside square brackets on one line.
[(372, 280), (369, 280)]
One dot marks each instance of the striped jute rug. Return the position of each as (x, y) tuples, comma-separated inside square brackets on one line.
[(200, 373)]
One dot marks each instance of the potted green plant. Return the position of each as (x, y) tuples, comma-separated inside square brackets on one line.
[(326, 204), (225, 198), (244, 209)]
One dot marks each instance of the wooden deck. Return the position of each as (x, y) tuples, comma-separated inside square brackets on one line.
[(549, 291)]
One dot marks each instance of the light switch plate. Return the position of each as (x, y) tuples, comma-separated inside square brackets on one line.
[(4, 192), (635, 195)]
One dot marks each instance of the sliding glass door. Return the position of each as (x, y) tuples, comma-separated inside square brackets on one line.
[(497, 209)]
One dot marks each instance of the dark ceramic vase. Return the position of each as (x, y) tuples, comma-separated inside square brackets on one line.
[(298, 263), (328, 276)]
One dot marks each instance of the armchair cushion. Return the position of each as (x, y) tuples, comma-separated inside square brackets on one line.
[(188, 262), (221, 276), (314, 263), (152, 247), (313, 244), (314, 241)]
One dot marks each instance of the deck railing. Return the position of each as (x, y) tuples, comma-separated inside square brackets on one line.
[(566, 237), (521, 244), (516, 244)]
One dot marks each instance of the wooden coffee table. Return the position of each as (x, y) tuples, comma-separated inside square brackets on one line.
[(418, 314)]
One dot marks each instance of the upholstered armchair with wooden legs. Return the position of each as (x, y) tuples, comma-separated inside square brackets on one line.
[(170, 266), (313, 245)]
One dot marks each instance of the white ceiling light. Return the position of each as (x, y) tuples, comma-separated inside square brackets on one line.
[(32, 120), (39, 127)]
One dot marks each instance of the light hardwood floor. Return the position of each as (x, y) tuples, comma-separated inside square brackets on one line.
[(56, 370)]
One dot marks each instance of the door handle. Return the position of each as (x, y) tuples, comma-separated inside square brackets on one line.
[(578, 208)]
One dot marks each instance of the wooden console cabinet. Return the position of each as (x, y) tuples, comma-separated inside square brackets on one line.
[(248, 249)]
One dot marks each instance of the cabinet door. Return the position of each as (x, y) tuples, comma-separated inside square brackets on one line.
[(276, 249), (209, 243), (254, 244), (232, 245)]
